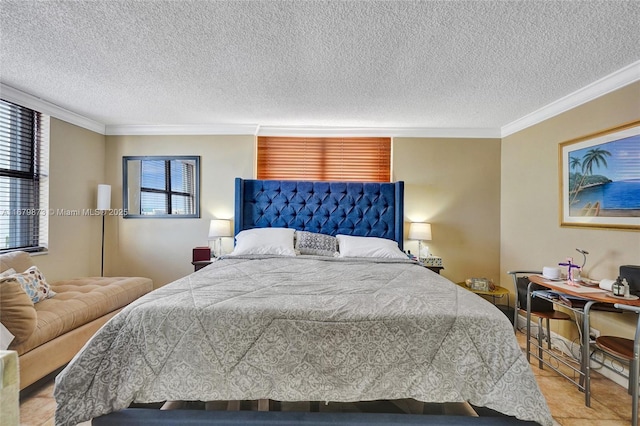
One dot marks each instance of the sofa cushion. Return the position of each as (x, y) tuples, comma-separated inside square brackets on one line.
[(79, 301), (18, 260), (17, 312)]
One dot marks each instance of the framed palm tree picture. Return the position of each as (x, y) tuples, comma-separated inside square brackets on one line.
[(600, 179)]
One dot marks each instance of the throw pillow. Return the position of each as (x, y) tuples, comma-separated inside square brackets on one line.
[(316, 244), (34, 284)]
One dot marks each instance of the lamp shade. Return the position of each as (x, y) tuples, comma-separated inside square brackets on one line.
[(420, 231), (104, 197), (219, 228)]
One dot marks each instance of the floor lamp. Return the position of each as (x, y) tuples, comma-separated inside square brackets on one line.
[(104, 203)]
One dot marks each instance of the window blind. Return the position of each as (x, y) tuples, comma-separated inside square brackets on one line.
[(325, 159), (24, 158), (167, 187)]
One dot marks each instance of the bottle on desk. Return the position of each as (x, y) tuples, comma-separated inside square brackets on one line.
[(620, 287), (626, 288)]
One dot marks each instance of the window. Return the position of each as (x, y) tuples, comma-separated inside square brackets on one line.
[(24, 187), (161, 186), (328, 159)]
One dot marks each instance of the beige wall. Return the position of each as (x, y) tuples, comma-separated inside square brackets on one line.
[(531, 236), (454, 184), (76, 167), (441, 186), (161, 248)]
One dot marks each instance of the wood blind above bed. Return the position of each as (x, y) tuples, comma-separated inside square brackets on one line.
[(324, 159)]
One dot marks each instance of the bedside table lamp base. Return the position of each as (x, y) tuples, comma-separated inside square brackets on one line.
[(219, 228), (423, 250), (422, 232)]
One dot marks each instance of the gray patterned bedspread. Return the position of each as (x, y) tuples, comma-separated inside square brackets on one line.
[(303, 329)]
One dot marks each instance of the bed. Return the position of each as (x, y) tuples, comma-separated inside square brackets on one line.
[(267, 324)]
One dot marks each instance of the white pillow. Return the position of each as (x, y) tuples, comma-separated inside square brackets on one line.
[(5, 337), (350, 246), (278, 241)]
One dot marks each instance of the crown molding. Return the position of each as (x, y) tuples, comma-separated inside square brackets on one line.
[(614, 81), (406, 132), (305, 131), (45, 107), (190, 129)]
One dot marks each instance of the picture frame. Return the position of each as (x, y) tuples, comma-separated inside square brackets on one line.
[(600, 179)]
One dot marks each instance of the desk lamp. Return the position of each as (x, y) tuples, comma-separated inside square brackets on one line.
[(584, 254), (578, 274)]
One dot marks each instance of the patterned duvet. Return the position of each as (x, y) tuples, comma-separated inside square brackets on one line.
[(303, 329)]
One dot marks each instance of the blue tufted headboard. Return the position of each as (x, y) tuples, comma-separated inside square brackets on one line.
[(367, 209)]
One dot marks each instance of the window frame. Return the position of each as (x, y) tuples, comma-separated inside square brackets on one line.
[(30, 211), (126, 190)]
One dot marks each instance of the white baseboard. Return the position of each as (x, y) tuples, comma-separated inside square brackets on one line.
[(562, 344)]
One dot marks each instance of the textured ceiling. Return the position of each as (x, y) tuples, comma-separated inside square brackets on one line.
[(427, 64)]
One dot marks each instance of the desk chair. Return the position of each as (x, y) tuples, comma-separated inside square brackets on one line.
[(626, 350), (542, 309)]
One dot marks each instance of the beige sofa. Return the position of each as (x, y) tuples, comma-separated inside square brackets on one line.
[(50, 332)]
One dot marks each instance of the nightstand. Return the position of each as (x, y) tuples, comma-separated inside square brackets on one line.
[(432, 262), (199, 264), (435, 269), (499, 292)]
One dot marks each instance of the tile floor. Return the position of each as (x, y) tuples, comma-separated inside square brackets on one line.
[(610, 403)]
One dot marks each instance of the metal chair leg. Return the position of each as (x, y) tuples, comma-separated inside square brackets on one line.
[(634, 365), (631, 374), (548, 334), (540, 340), (633, 382), (634, 398)]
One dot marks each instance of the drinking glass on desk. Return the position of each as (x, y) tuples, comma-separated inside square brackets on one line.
[(576, 275)]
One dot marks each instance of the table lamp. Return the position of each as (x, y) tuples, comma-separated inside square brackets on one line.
[(422, 232), (219, 228)]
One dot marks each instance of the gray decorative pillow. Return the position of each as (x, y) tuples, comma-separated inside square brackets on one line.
[(316, 244)]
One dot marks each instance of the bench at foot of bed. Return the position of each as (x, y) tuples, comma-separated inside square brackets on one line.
[(151, 417)]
